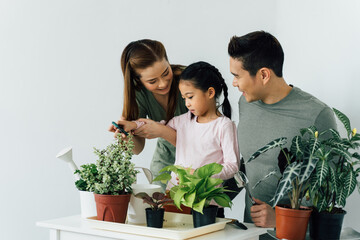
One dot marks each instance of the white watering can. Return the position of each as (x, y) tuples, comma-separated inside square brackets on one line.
[(136, 210)]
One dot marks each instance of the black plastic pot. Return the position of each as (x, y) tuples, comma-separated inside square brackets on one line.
[(154, 218), (326, 225), (207, 218)]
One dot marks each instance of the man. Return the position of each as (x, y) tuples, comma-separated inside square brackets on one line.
[(269, 108)]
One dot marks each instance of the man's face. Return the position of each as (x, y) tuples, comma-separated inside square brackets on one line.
[(248, 85)]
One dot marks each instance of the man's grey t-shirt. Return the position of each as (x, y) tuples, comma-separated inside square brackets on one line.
[(260, 123)]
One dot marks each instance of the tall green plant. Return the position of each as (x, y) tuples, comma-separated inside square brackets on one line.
[(335, 176), (198, 189), (294, 166)]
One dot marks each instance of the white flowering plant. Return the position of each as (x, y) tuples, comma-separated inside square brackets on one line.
[(115, 171)]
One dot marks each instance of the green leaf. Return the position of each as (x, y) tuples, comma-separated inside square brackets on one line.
[(223, 200), (285, 184), (341, 197), (307, 167), (213, 182), (208, 170), (322, 203), (350, 183), (178, 197), (334, 181), (355, 138), (164, 178), (189, 199), (273, 144), (297, 147), (310, 130), (322, 170), (344, 153), (335, 134), (344, 119), (199, 206), (356, 155)]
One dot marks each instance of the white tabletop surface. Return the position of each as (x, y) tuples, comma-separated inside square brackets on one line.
[(78, 225)]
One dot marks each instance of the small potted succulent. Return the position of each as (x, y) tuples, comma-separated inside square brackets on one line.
[(333, 180), (154, 213), (196, 190), (112, 184), (293, 171)]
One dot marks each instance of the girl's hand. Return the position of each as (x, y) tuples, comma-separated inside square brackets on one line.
[(149, 130)]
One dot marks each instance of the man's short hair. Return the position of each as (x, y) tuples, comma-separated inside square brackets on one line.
[(257, 50)]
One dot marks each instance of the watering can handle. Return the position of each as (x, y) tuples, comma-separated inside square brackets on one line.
[(147, 173)]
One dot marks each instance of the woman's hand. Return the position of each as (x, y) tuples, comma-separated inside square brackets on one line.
[(128, 126)]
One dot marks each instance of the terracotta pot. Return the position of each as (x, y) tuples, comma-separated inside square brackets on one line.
[(112, 208), (291, 223), (173, 208)]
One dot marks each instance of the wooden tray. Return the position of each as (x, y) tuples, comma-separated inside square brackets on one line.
[(176, 226)]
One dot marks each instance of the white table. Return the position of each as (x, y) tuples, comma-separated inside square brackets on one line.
[(76, 228)]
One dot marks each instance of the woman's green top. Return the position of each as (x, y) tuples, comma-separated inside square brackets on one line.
[(149, 108)]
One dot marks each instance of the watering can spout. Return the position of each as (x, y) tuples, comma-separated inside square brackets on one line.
[(66, 156)]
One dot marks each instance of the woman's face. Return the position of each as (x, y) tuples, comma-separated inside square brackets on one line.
[(157, 78)]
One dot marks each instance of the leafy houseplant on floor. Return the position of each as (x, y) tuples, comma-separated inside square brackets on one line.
[(197, 190), (294, 170), (116, 174), (155, 213), (334, 179)]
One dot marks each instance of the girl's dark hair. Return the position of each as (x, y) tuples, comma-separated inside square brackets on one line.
[(203, 76), (140, 55)]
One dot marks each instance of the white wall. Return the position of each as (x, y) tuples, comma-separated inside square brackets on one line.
[(61, 81)]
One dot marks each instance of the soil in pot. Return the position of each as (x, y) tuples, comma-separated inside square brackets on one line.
[(112, 208), (291, 223), (154, 218), (326, 225), (209, 216)]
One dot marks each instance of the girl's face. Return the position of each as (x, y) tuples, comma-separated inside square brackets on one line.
[(198, 102), (157, 78)]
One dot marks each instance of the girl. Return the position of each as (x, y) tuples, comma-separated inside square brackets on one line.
[(203, 134), (151, 90)]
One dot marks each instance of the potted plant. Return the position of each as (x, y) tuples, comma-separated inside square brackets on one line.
[(88, 176), (116, 174), (294, 171), (154, 213), (196, 190), (334, 179)]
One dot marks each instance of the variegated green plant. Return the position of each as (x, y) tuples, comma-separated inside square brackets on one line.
[(295, 167), (198, 189), (335, 176)]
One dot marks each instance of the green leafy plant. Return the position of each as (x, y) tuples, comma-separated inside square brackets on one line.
[(294, 166), (156, 201), (113, 173), (335, 176), (198, 189), (88, 177)]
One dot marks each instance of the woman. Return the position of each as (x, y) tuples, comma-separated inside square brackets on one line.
[(151, 91)]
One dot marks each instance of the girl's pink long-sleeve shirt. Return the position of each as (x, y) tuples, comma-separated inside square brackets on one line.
[(198, 144)]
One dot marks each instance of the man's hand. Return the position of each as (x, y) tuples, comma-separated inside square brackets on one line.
[(263, 215)]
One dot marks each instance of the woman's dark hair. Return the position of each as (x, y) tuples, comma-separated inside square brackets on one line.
[(203, 76), (140, 55), (257, 50)]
